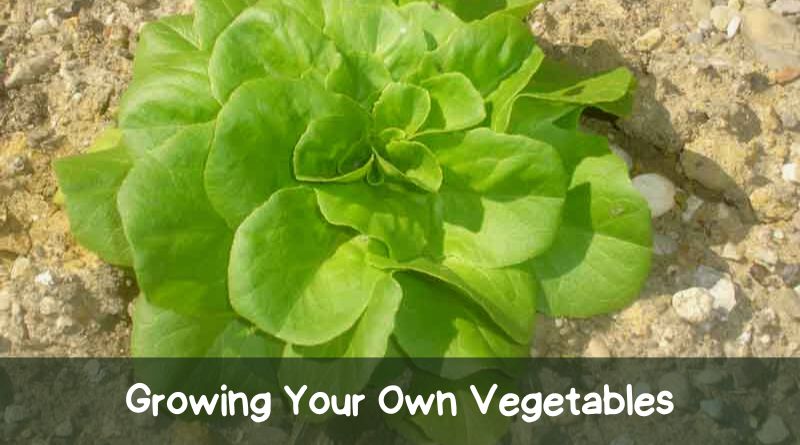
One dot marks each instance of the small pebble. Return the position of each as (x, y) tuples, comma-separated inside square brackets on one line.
[(664, 245), (775, 39), (773, 431), (15, 413), (649, 40), (693, 204), (695, 37), (597, 349), (658, 191), (724, 293), (41, 27), (733, 27), (789, 173), (28, 71), (48, 306), (694, 305), (45, 279), (705, 25)]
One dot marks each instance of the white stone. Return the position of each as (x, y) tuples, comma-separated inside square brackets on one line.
[(694, 305), (45, 279), (733, 27), (658, 191), (789, 173), (724, 293)]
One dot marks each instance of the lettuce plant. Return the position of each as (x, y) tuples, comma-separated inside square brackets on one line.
[(331, 178)]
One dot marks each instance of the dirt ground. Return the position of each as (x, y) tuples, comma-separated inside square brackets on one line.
[(714, 114)]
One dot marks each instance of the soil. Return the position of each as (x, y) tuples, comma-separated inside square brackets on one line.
[(709, 115)]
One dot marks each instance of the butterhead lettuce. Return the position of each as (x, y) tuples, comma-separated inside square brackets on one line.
[(331, 178)]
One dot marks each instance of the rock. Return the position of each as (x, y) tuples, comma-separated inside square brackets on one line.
[(774, 38), (694, 305), (787, 303), (772, 431), (700, 9), (93, 371), (664, 245), (617, 150), (721, 16), (28, 71), (736, 5), (695, 37), (693, 204), (678, 385), (709, 377), (65, 324), (40, 28), (712, 408), (649, 40), (597, 349), (20, 268), (45, 279), (724, 294), (733, 27), (64, 429), (48, 306), (786, 7), (716, 160), (622, 440), (658, 191), (789, 173), (15, 414), (774, 202), (731, 252)]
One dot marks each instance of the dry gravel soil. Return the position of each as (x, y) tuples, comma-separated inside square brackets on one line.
[(717, 114)]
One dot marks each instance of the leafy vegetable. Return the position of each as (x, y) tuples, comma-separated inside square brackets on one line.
[(326, 178)]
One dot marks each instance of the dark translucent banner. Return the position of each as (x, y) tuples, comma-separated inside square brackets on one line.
[(239, 401)]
